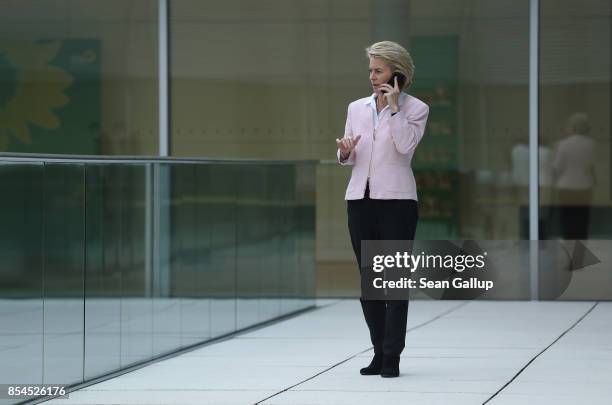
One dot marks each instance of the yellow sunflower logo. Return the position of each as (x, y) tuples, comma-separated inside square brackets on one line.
[(30, 88)]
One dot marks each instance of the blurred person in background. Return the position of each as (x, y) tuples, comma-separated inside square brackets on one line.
[(574, 173)]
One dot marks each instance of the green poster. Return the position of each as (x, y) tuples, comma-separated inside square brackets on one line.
[(436, 160), (50, 96)]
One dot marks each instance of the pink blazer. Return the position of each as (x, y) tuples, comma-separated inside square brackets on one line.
[(384, 153)]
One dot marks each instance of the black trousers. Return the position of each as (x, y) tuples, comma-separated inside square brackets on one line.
[(383, 220)]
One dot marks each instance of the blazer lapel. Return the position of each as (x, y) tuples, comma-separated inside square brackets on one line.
[(366, 120)]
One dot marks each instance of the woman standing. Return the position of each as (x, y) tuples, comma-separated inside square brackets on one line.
[(574, 168), (381, 134)]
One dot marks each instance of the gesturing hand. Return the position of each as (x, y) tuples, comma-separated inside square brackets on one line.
[(346, 145)]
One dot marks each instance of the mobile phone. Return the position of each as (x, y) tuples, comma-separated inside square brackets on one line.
[(401, 79)]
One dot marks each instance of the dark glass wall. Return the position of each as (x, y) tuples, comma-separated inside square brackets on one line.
[(105, 265)]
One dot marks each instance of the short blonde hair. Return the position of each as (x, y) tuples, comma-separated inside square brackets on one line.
[(578, 123), (396, 56)]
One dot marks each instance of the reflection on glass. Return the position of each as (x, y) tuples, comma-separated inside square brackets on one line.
[(102, 275), (21, 274), (273, 210), (575, 123), (478, 113), (252, 237), (574, 169), (137, 260), (305, 223), (64, 227), (285, 189), (166, 305), (127, 199), (190, 251)]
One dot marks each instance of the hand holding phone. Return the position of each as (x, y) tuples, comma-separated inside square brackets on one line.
[(401, 79), (391, 93)]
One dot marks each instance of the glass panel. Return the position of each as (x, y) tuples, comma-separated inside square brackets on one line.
[(267, 239), (220, 276), (471, 62), (21, 274), (143, 297), (127, 195), (255, 247), (166, 304), (196, 304), (79, 77), (202, 249), (64, 211), (103, 275), (305, 238), (119, 311), (284, 188), (575, 149), (190, 243)]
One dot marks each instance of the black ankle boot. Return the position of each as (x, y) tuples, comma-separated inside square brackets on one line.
[(390, 366), (374, 367)]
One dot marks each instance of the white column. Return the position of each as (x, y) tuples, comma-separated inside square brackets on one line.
[(534, 182), (164, 148), (160, 173)]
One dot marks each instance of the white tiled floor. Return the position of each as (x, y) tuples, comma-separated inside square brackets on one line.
[(456, 352)]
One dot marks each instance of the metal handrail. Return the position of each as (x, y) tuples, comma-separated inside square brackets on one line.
[(58, 158)]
